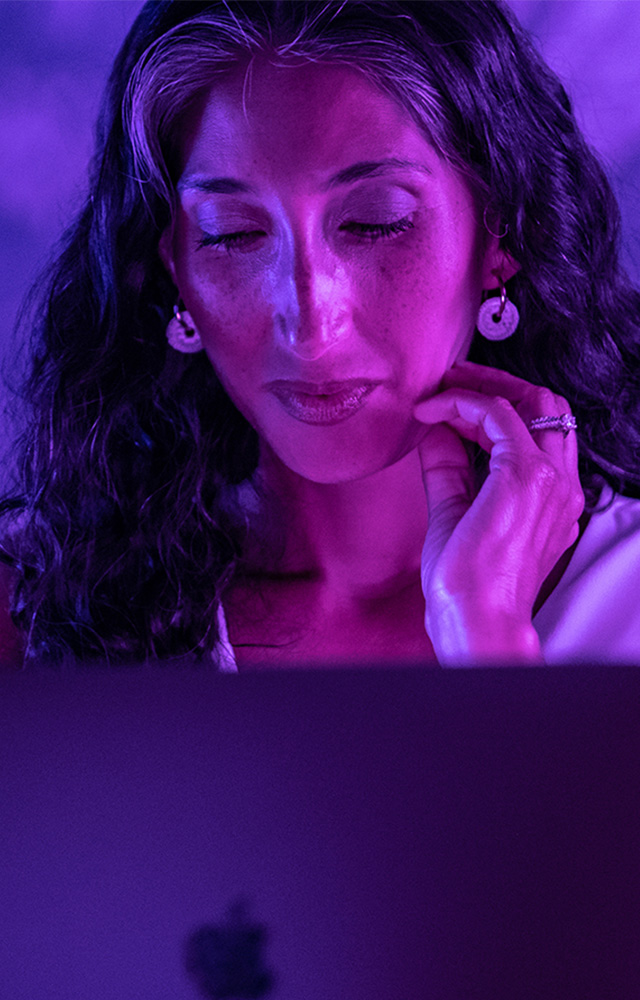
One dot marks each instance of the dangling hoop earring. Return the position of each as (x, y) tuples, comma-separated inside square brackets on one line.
[(498, 318), (181, 332)]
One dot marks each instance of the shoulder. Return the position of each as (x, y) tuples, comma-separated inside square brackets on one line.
[(11, 638), (614, 534)]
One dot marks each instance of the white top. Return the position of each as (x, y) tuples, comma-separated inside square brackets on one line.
[(593, 614)]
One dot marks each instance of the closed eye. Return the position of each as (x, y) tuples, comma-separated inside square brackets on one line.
[(229, 240), (365, 230), (370, 231)]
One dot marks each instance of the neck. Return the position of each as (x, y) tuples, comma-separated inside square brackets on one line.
[(360, 539)]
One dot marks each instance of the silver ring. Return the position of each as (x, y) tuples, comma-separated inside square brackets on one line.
[(567, 422)]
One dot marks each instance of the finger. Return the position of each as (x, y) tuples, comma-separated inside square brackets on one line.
[(446, 470), (512, 449), (448, 483), (529, 400), (488, 420), (491, 381)]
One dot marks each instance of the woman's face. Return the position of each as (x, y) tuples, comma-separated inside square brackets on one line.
[(332, 262)]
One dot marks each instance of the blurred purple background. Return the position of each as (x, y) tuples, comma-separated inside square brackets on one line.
[(56, 55)]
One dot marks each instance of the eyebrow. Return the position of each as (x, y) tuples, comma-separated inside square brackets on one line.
[(356, 172)]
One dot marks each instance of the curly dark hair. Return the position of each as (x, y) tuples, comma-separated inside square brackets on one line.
[(124, 526)]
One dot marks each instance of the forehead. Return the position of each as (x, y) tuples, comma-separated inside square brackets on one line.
[(306, 119)]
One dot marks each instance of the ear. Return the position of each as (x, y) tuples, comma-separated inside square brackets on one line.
[(498, 264), (165, 250)]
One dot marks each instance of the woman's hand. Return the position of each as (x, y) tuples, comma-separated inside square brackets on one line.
[(487, 552)]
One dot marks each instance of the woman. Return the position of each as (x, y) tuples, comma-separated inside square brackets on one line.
[(338, 365)]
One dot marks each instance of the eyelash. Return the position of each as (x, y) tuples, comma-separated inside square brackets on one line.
[(363, 229)]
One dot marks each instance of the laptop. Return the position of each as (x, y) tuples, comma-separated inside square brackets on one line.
[(171, 833)]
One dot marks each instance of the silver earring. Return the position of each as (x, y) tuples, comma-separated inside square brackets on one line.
[(497, 236), (182, 333), (498, 317)]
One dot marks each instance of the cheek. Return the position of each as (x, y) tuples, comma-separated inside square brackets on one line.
[(424, 306), (403, 297), (233, 339), (227, 309), (219, 294), (442, 281)]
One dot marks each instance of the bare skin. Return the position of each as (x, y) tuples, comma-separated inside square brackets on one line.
[(292, 277), (336, 598), (291, 618)]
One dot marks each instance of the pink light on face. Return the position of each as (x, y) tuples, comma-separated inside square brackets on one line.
[(322, 240)]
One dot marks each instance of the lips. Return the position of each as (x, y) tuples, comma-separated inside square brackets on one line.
[(328, 388), (322, 402)]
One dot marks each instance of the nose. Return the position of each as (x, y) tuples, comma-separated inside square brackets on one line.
[(311, 317)]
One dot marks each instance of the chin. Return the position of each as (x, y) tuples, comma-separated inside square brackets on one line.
[(343, 457), (334, 474)]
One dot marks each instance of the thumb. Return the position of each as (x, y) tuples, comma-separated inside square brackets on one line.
[(447, 474), (447, 478)]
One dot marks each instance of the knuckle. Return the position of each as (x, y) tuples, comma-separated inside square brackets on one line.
[(544, 398), (501, 405), (537, 477), (542, 478), (542, 402), (574, 532), (577, 502), (542, 474)]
